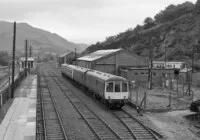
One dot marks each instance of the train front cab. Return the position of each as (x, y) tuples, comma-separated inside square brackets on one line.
[(117, 92)]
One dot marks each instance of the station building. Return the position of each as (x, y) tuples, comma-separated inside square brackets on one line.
[(111, 60), (30, 62), (169, 64)]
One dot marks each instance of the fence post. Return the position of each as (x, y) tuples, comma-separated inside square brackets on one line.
[(145, 98), (170, 98), (177, 84), (183, 88), (1, 100), (192, 96), (137, 96)]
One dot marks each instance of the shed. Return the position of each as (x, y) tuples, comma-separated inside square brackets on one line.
[(110, 60), (67, 57), (141, 75), (30, 62), (185, 75)]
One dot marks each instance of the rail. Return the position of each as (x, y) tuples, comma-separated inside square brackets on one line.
[(48, 129), (98, 128), (147, 133)]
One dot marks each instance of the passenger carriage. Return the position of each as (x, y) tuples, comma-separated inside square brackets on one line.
[(113, 90)]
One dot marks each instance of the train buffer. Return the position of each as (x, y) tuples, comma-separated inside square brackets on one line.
[(20, 120)]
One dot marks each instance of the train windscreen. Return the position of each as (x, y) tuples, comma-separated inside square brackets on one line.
[(117, 86), (124, 87), (109, 87)]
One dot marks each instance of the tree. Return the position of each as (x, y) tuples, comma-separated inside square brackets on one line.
[(4, 58), (148, 20), (197, 8), (173, 12), (148, 23), (110, 38)]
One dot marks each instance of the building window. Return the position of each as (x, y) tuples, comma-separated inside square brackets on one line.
[(136, 73)]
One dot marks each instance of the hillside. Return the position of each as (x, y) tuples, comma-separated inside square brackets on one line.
[(174, 30), (41, 40)]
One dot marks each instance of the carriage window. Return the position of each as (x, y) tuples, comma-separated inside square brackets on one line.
[(124, 87), (109, 87), (117, 87)]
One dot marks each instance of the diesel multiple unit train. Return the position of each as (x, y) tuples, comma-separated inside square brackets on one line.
[(111, 89)]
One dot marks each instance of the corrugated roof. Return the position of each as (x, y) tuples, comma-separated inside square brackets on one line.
[(98, 54)]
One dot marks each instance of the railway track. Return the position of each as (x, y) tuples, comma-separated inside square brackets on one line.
[(99, 127), (39, 118), (52, 124), (131, 128), (138, 129)]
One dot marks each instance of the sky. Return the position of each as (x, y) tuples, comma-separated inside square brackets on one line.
[(83, 21)]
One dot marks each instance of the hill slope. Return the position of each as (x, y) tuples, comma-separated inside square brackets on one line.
[(174, 30), (38, 38)]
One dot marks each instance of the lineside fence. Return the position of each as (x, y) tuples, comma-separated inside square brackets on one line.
[(170, 94), (5, 89)]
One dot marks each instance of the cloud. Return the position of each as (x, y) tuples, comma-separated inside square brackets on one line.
[(86, 21)]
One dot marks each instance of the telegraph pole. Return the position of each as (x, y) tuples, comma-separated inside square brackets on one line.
[(152, 43), (150, 68), (26, 45), (75, 56), (31, 63), (30, 51), (13, 61), (165, 52), (193, 53)]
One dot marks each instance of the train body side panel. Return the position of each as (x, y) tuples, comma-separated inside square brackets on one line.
[(78, 77), (95, 85), (67, 71)]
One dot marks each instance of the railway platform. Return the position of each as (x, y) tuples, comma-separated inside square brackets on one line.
[(19, 122)]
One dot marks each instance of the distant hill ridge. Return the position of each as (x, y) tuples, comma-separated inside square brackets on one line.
[(174, 30), (41, 40)]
